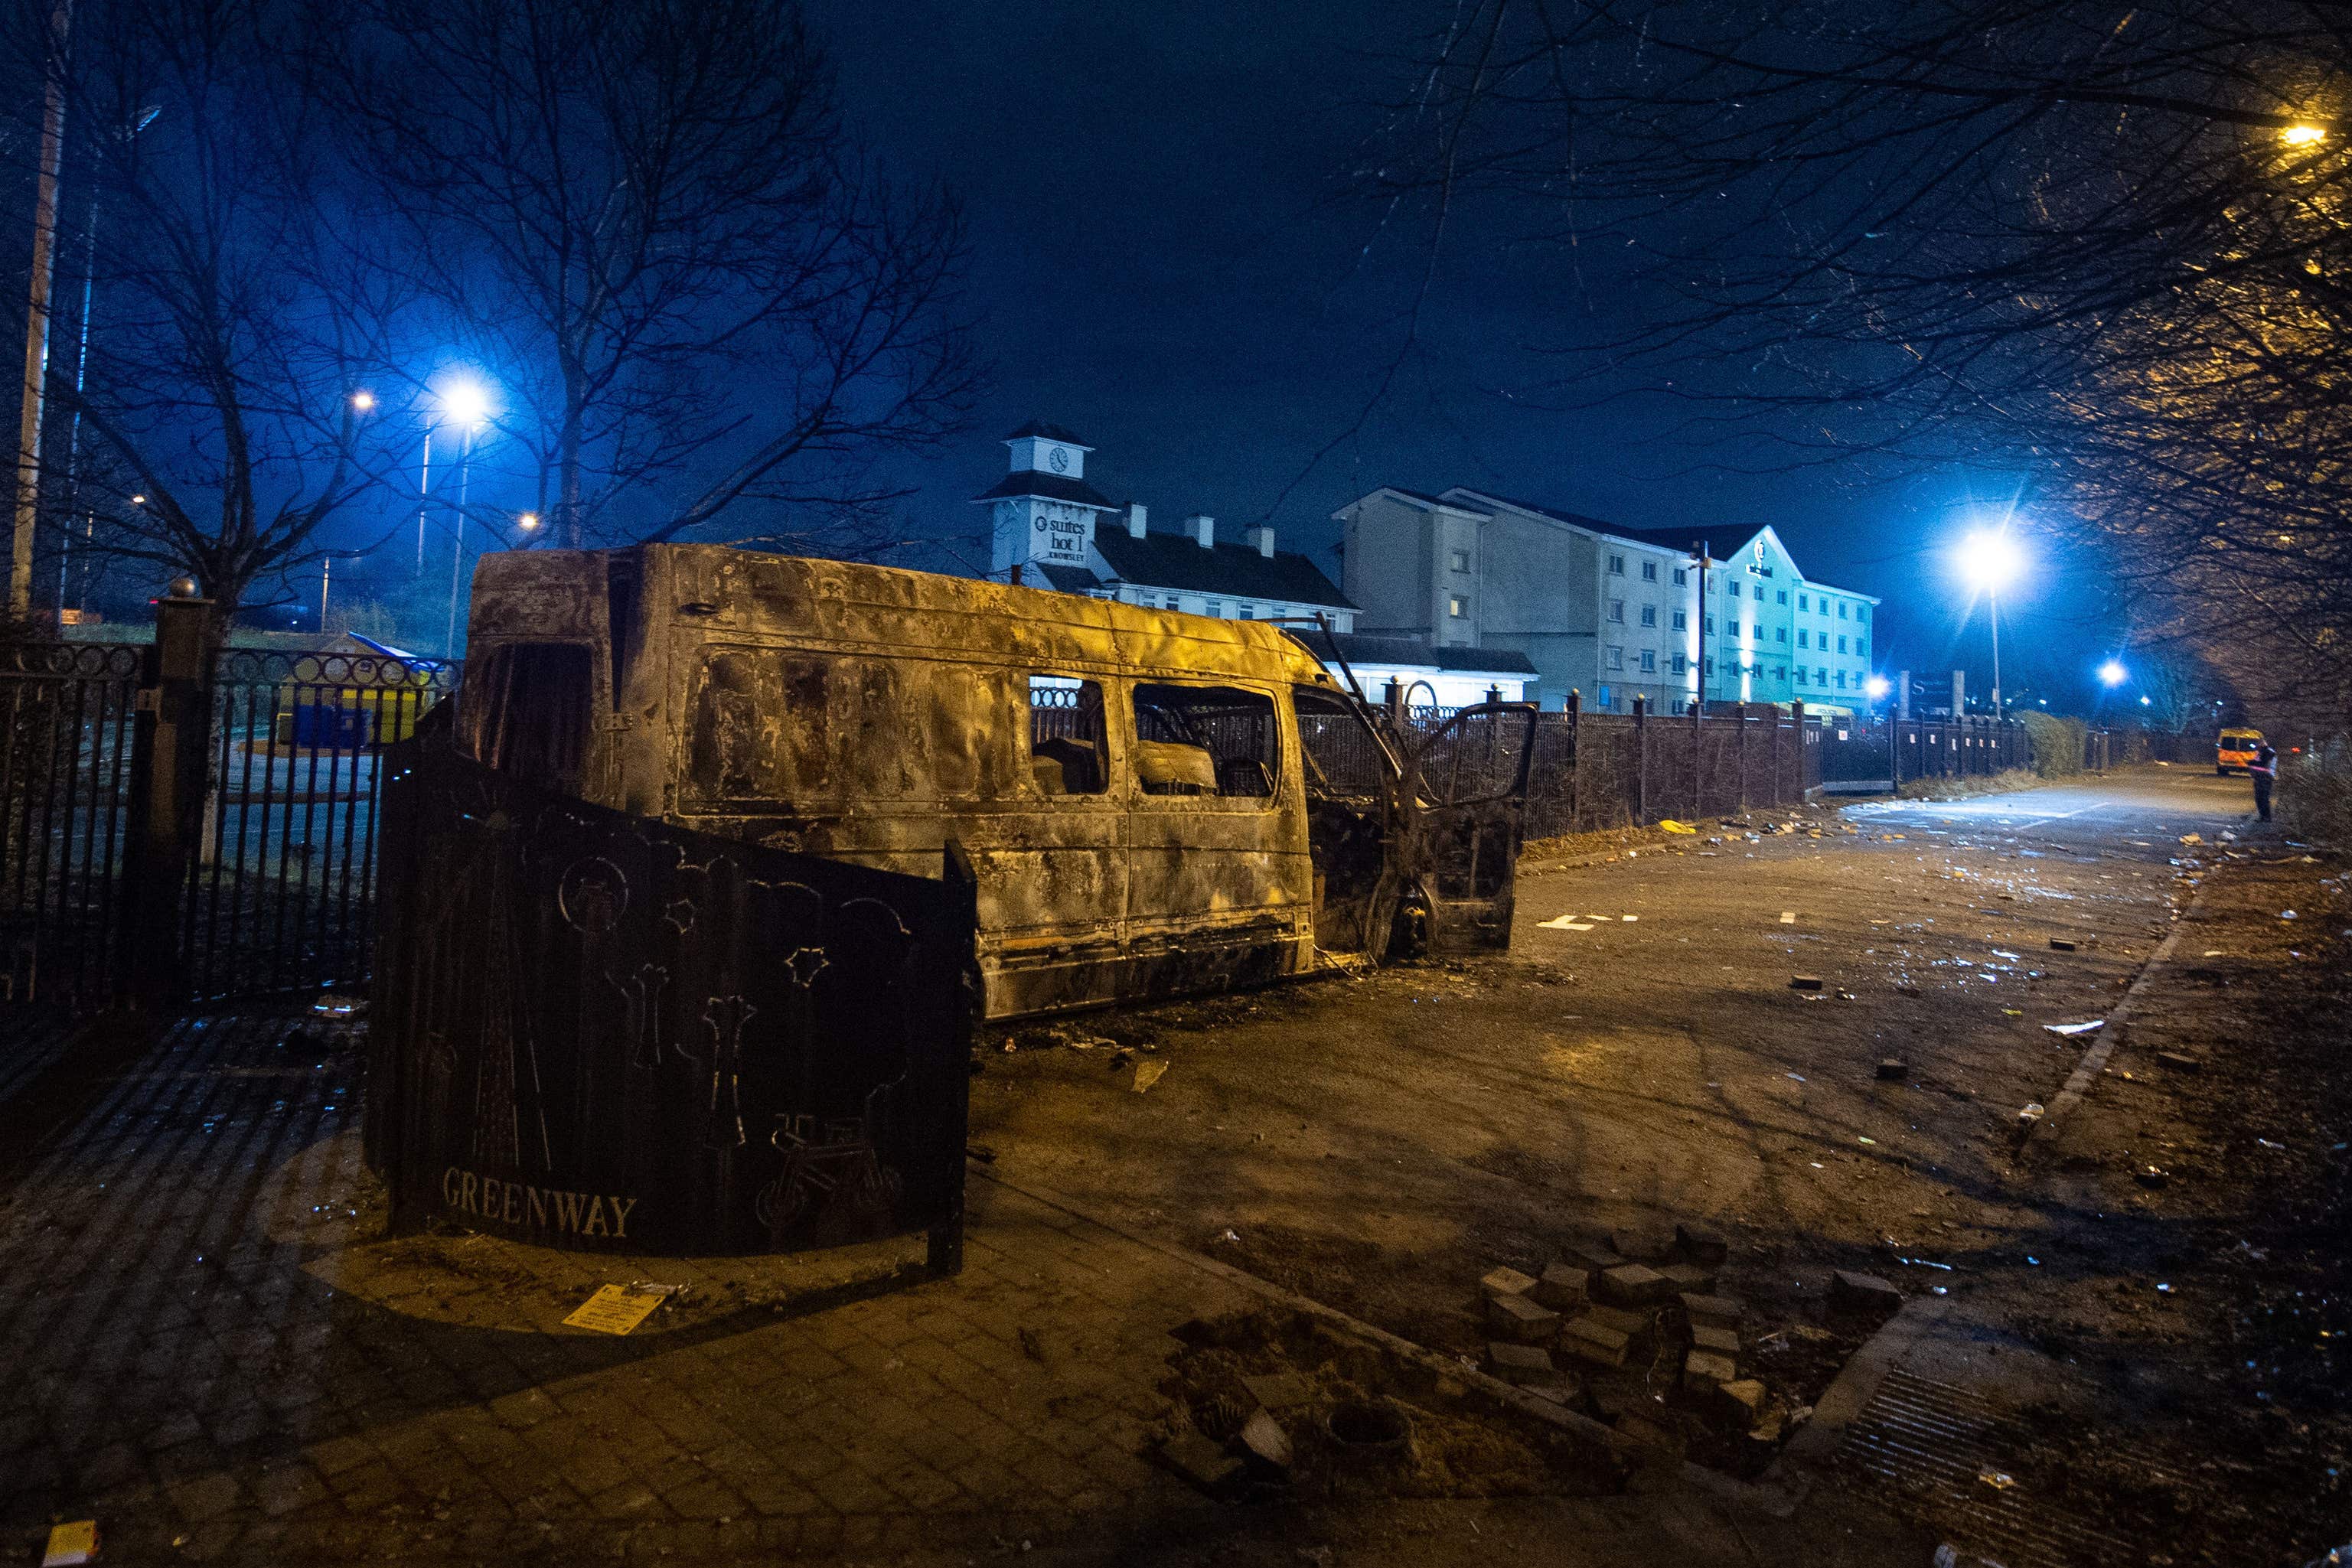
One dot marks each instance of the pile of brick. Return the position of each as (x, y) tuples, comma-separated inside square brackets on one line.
[(1626, 1301)]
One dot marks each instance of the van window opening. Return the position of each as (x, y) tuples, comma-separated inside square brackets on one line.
[(1205, 740), (524, 710), (1341, 757), (1068, 748)]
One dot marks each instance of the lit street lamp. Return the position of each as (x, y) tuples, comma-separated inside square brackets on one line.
[(467, 404), (2112, 673), (1991, 561)]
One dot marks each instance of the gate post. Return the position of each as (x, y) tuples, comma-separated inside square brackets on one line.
[(1797, 724), (168, 756), (1698, 767), (1739, 718), (1641, 760), (1575, 706), (1895, 756)]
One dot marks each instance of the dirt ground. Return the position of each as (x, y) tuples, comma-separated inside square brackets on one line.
[(1379, 1142)]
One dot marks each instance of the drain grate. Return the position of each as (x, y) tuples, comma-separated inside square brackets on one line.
[(1932, 1443)]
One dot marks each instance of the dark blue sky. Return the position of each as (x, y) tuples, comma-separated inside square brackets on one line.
[(1169, 260)]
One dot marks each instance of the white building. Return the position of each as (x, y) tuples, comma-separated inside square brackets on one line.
[(1612, 613)]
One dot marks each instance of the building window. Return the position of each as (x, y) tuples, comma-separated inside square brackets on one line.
[(1731, 588), (1457, 606), (1779, 671), (1682, 664), (1065, 735), (1841, 644), (1617, 610), (1841, 680), (1710, 625), (1457, 561), (1801, 674), (1861, 613), (1841, 608), (1173, 603), (1801, 638), (1760, 593), (1616, 657), (1605, 694), (1782, 595), (1249, 613), (1649, 615), (1682, 620), (1616, 566), (1708, 667), (1212, 607), (1682, 576), (1804, 601), (1780, 634), (1735, 628), (1821, 677), (1649, 571), (1650, 660)]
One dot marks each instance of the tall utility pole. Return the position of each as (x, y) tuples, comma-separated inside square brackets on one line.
[(37, 317), (1698, 625)]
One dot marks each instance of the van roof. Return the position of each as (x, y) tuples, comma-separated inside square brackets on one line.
[(754, 593)]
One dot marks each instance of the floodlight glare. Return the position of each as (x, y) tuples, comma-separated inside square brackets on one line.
[(363, 400), (529, 520), (2113, 673), (1991, 560), (2143, 701), (464, 403), (1876, 686)]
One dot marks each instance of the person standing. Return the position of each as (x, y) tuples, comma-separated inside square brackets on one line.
[(2263, 771)]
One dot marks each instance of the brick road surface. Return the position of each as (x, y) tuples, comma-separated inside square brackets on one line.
[(212, 1349)]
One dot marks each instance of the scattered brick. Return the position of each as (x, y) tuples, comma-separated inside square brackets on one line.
[(1594, 1342), (1722, 1312), (2178, 1062), (1689, 1278), (1645, 1245), (1701, 1244), (1648, 1433), (1704, 1372), (1520, 1320), (1280, 1390), (1633, 1285), (1859, 1291), (1266, 1442), (1717, 1341), (1507, 1282), (1804, 982), (2060, 945), (1201, 1462), (1596, 1259), (1892, 1071), (1563, 1288), (1520, 1364), (1740, 1402)]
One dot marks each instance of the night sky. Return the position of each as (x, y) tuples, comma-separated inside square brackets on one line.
[(1168, 259)]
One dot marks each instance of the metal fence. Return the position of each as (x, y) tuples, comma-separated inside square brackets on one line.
[(183, 827), (1888, 753)]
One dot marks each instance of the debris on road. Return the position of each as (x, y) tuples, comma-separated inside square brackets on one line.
[(1804, 982), (1854, 1291), (2075, 1027), (72, 1544), (1519, 1321), (615, 1309), (1505, 1281), (1147, 1073), (2031, 1114), (1892, 1069), (2178, 1062), (1264, 1441)]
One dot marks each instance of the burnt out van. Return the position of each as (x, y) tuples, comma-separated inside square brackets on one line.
[(1154, 803)]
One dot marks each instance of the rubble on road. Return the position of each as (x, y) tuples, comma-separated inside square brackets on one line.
[(1855, 1291), (1519, 1321)]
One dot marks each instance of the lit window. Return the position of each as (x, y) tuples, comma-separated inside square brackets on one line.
[(1616, 566), (1457, 606), (1649, 571), (1616, 657), (1649, 615)]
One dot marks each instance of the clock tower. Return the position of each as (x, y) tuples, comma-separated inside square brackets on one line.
[(1043, 512)]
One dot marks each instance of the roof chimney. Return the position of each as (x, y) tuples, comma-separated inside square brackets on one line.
[(1135, 520), (1202, 528), (1262, 535)]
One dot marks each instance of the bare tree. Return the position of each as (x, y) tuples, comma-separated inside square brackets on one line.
[(219, 426), (2103, 246), (646, 218)]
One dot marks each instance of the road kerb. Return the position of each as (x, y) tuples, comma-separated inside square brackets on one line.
[(2062, 1104)]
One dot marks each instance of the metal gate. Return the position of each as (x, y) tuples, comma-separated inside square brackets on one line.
[(594, 1030), (281, 886), (64, 784)]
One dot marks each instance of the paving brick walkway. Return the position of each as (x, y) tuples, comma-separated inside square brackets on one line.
[(211, 1347)]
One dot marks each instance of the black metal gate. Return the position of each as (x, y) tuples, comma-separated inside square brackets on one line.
[(280, 884), (596, 1030), (65, 778)]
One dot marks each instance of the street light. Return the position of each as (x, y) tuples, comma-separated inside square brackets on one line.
[(2112, 673), (362, 401), (527, 521), (1991, 561), (1876, 687), (2303, 135), (469, 405)]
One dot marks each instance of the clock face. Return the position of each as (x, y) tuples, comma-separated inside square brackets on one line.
[(1060, 459)]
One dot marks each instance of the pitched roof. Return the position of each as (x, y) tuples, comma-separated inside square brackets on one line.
[(1661, 539), (1068, 579), (1239, 571), (1052, 486), (1363, 648), (1039, 428)]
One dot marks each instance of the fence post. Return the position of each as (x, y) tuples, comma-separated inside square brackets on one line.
[(169, 750), (1739, 718), (1895, 756), (1797, 725), (1641, 760), (1698, 767), (1575, 706)]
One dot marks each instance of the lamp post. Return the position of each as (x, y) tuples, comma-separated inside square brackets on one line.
[(1991, 561), (468, 405)]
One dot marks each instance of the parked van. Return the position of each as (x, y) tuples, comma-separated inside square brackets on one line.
[(2235, 749), (1154, 803)]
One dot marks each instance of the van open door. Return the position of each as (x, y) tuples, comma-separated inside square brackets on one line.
[(1464, 796)]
